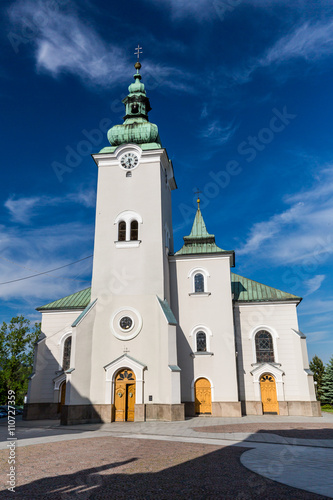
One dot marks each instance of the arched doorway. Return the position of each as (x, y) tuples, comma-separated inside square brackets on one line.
[(203, 396), (62, 398), (268, 394), (124, 396)]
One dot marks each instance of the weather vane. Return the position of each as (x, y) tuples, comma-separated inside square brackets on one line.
[(138, 51), (198, 200)]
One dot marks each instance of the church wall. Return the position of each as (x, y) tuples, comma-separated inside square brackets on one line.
[(279, 320), (49, 355), (150, 347), (214, 314), (78, 390)]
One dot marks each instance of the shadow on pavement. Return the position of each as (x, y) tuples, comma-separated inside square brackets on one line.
[(140, 469)]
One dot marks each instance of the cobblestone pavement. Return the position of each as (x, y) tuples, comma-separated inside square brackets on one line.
[(122, 468), (204, 457)]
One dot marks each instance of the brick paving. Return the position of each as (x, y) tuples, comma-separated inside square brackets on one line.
[(292, 430), (120, 468)]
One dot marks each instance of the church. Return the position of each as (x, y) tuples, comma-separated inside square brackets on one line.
[(163, 333)]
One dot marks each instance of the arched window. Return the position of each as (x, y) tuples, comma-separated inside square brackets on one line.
[(264, 347), (122, 231), (199, 283), (201, 342), (66, 359), (134, 230)]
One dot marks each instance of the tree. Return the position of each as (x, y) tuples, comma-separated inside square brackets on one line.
[(318, 369), (17, 341), (327, 383)]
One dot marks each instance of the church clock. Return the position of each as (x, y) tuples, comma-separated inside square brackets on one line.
[(129, 160)]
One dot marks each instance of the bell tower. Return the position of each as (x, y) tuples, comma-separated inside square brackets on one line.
[(133, 233), (130, 281)]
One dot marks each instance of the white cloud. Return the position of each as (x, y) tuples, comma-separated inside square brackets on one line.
[(313, 284), (65, 44), (308, 41), (218, 134), (30, 251), (302, 234), (23, 209)]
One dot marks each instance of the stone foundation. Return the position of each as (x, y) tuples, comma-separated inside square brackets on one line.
[(41, 411), (291, 408), (139, 413), (226, 409), (219, 409), (169, 413), (85, 414), (304, 408)]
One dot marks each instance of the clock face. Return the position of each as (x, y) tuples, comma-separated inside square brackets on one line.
[(129, 160)]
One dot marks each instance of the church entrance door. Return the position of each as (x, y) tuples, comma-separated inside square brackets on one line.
[(268, 394), (124, 398), (203, 396), (62, 396)]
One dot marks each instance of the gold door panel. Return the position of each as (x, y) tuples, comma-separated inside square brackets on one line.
[(124, 397), (268, 394), (203, 396), (130, 400)]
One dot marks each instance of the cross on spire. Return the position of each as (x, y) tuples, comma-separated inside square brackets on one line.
[(138, 51), (198, 199), (126, 350)]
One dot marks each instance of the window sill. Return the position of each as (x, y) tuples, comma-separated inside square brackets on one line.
[(201, 353), (265, 362), (128, 244), (200, 294)]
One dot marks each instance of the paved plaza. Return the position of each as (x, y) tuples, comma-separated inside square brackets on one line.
[(203, 457)]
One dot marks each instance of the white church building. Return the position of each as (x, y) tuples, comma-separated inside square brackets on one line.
[(163, 334)]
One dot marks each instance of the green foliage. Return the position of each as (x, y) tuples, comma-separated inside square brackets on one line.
[(318, 369), (327, 383), (17, 341)]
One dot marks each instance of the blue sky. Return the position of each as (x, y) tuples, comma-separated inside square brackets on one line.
[(242, 93)]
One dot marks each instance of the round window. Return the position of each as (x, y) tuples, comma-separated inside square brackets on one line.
[(126, 323)]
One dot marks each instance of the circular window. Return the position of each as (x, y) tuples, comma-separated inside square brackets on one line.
[(126, 323)]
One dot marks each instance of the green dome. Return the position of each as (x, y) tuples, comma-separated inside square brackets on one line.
[(136, 132), (136, 127)]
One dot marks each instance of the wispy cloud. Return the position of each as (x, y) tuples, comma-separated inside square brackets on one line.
[(28, 251), (64, 44), (301, 232), (310, 42), (23, 209), (313, 284), (216, 133)]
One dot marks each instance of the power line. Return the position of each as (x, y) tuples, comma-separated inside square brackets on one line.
[(46, 272)]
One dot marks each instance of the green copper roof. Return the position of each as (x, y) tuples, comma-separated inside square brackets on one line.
[(136, 127), (246, 290), (199, 241), (78, 300), (84, 313), (167, 312)]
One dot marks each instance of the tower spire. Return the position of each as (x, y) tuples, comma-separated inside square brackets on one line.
[(136, 127)]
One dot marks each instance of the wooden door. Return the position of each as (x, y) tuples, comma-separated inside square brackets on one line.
[(124, 398), (268, 394), (62, 398), (203, 396), (130, 402)]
